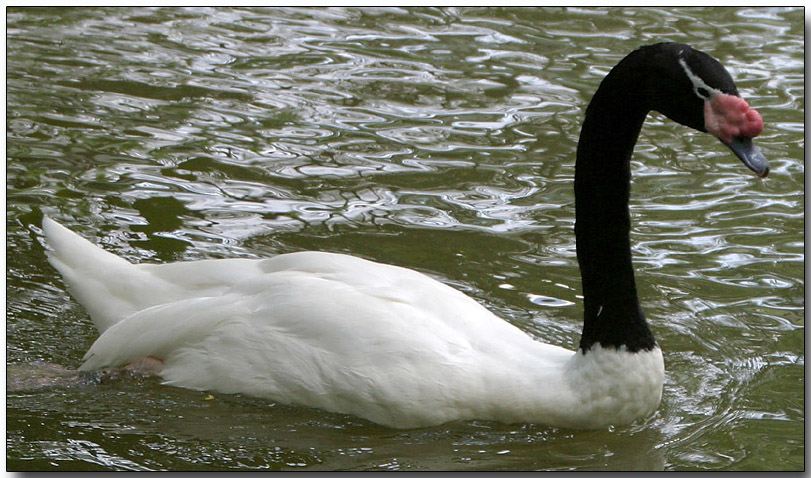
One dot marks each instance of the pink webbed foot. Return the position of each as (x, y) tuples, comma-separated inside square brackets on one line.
[(146, 366)]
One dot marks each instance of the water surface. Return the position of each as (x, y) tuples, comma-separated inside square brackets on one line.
[(437, 139)]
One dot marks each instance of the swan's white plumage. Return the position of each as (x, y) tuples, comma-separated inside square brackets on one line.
[(344, 334)]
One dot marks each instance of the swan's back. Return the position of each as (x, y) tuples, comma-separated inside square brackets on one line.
[(326, 330)]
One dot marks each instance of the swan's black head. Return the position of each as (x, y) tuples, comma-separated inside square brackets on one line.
[(670, 90), (694, 89)]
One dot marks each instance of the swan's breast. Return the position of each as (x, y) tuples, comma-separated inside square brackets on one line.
[(614, 386)]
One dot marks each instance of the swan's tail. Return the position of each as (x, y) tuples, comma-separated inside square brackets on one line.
[(102, 282)]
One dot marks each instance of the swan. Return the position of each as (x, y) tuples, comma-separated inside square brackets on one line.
[(398, 348)]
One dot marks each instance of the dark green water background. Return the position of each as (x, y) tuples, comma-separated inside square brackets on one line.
[(437, 139)]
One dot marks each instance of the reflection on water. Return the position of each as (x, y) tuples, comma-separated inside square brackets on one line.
[(168, 134)]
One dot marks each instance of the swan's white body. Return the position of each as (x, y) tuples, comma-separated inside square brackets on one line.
[(346, 335)]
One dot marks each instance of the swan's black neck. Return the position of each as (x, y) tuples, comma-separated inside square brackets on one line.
[(613, 120)]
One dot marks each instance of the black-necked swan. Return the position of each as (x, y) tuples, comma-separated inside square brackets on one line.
[(394, 346)]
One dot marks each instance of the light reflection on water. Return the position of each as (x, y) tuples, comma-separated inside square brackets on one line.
[(169, 134)]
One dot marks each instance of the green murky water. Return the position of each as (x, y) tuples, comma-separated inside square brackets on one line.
[(438, 139)]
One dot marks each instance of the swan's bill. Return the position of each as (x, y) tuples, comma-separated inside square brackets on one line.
[(750, 154)]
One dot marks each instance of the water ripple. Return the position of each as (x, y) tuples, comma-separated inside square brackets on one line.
[(188, 133)]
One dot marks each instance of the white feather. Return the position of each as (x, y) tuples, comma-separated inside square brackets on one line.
[(344, 334)]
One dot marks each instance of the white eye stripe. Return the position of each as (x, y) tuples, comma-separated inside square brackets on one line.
[(698, 83)]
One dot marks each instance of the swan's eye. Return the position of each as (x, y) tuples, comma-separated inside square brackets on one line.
[(701, 89), (703, 92)]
